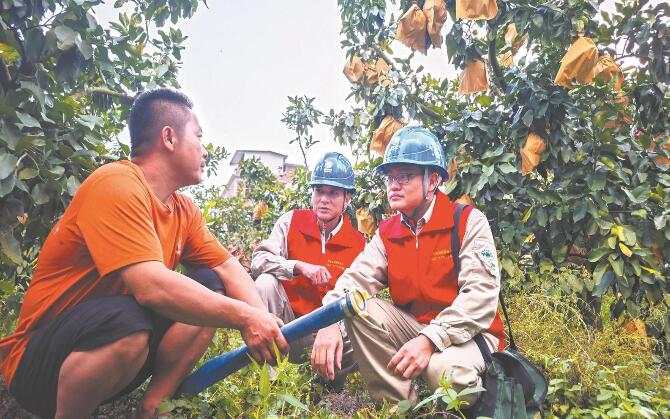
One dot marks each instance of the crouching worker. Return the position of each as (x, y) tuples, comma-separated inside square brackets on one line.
[(306, 253), (427, 328), (105, 308)]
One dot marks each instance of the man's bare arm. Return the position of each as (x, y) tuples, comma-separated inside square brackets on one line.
[(238, 283), (186, 301)]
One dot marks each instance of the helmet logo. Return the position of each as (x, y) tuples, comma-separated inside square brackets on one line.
[(328, 166)]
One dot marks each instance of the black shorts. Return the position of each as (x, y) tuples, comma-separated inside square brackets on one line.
[(84, 327)]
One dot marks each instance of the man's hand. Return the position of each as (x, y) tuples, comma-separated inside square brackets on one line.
[(412, 358), (327, 351), (319, 275), (259, 332)]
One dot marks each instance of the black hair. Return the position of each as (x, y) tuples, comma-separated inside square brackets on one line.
[(151, 111)]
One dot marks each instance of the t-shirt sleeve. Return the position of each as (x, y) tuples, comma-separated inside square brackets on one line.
[(116, 223), (202, 248)]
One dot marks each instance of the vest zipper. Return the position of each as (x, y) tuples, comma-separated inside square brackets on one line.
[(323, 242)]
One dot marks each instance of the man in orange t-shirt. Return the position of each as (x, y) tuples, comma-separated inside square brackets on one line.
[(105, 308)]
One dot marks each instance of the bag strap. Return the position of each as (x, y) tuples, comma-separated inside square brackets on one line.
[(455, 254)]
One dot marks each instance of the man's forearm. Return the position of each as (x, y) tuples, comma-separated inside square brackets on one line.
[(238, 283), (182, 299)]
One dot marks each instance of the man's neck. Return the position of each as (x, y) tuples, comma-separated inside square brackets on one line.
[(157, 176), (417, 213), (329, 226)]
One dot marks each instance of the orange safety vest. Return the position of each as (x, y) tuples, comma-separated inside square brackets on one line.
[(421, 273), (304, 244)]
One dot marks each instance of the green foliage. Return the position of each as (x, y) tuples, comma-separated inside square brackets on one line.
[(66, 85), (593, 372), (599, 194), (300, 116), (257, 391), (231, 218)]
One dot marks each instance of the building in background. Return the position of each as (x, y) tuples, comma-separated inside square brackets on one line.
[(276, 162)]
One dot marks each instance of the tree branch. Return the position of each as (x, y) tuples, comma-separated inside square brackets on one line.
[(104, 91), (5, 77), (498, 76), (421, 103)]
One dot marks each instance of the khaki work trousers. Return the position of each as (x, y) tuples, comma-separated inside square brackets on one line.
[(274, 296), (377, 337)]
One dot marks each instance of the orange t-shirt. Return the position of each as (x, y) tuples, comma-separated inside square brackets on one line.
[(114, 220)]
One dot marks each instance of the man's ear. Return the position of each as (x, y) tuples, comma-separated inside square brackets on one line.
[(433, 181), (167, 137)]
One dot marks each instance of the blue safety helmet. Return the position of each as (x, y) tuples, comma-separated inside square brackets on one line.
[(415, 145), (335, 170)]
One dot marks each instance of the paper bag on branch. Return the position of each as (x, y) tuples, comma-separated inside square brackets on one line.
[(383, 134), (476, 9), (366, 222), (260, 210), (412, 29), (607, 70), (452, 169), (531, 153), (578, 63), (378, 72), (506, 59), (512, 38), (353, 69), (660, 159), (436, 15), (473, 78)]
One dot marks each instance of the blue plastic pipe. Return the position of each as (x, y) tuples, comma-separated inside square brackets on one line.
[(216, 369)]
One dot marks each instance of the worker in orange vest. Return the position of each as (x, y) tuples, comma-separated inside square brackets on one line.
[(308, 250), (428, 326)]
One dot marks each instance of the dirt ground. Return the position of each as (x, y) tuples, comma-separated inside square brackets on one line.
[(10, 409)]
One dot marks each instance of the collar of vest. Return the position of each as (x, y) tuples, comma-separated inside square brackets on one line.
[(442, 218), (306, 222)]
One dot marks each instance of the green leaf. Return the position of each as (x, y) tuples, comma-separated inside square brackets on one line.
[(7, 185), (7, 164), (484, 100), (506, 168), (90, 121), (9, 54), (264, 381), (28, 173), (66, 37), (604, 284), (630, 236), (617, 265), (27, 120), (611, 242), (39, 194), (72, 185), (37, 91), (599, 271), (528, 118), (660, 221), (598, 253), (293, 401), (11, 247), (596, 181), (508, 266), (580, 211)]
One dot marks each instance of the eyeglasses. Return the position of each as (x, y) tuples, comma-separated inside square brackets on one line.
[(401, 178)]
